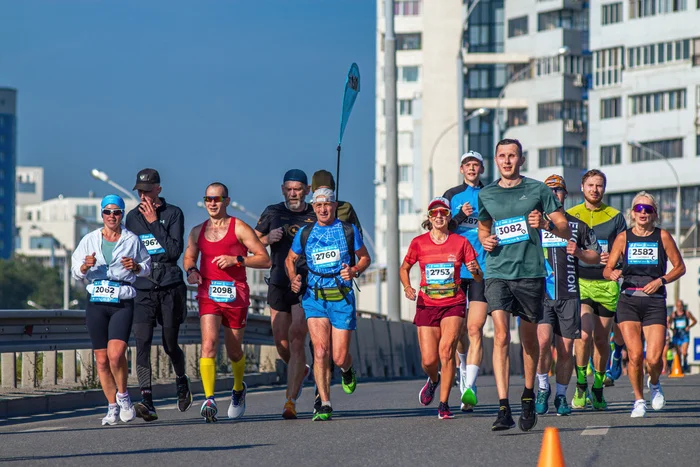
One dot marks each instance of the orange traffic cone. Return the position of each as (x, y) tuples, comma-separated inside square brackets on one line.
[(551, 454), (677, 370)]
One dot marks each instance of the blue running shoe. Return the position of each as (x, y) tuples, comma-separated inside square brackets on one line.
[(542, 401), (615, 368), (562, 406)]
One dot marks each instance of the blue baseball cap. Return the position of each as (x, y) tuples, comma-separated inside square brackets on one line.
[(296, 175), (113, 199)]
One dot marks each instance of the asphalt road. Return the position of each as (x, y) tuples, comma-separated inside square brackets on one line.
[(381, 424)]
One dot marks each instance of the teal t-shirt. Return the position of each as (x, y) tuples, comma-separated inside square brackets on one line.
[(107, 250), (519, 254)]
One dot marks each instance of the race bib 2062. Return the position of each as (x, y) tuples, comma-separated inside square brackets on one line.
[(105, 292)]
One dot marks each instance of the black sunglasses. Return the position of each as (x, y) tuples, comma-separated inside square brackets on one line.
[(112, 212), (214, 199)]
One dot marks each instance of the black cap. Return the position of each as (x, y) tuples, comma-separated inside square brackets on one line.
[(147, 179)]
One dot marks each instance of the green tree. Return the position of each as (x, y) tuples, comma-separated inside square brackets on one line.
[(23, 278)]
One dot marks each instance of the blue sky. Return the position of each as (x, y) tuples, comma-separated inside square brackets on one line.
[(234, 91)]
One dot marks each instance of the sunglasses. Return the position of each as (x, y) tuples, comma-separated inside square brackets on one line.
[(645, 208), (214, 199), (112, 212), (558, 190), (439, 212)]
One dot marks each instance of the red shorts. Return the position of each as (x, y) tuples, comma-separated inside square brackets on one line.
[(432, 315), (231, 317)]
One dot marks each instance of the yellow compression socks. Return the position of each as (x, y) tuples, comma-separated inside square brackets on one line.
[(238, 372), (207, 369)]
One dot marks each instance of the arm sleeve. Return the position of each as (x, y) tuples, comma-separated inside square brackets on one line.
[(483, 213), (457, 213), (144, 259), (296, 243), (549, 202), (412, 253), (171, 237), (264, 222), (359, 241)]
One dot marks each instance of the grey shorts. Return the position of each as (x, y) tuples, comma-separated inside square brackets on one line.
[(564, 316), (519, 297)]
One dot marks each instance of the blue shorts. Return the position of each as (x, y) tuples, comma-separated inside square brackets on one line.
[(681, 339), (341, 314)]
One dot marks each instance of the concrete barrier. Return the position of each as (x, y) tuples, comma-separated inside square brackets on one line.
[(382, 344)]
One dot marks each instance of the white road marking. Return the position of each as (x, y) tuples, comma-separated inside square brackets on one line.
[(595, 431), (48, 428)]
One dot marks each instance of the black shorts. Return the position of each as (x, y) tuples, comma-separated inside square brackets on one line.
[(645, 310), (282, 298), (564, 316), (598, 309), (473, 290), (166, 306), (519, 297), (108, 321)]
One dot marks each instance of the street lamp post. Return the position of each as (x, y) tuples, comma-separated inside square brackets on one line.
[(474, 114), (460, 78), (497, 127), (100, 175)]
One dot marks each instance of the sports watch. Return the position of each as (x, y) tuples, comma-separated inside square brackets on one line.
[(241, 261)]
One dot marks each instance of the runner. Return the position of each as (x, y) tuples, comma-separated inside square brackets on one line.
[(276, 228), (441, 300), (110, 259), (161, 296), (644, 250), (562, 305), (329, 247), (509, 214), (680, 322), (598, 296), (464, 203), (223, 293)]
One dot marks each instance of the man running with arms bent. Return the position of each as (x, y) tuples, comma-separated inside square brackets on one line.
[(509, 216), (223, 294)]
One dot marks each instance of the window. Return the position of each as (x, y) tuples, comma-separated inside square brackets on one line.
[(611, 155), (608, 67), (405, 173), (697, 140), (484, 81), (523, 167), (406, 7), (658, 54), (563, 110), (644, 8), (565, 156), (409, 74), (696, 49), (517, 26), (612, 13), (486, 32), (86, 211), (657, 102), (669, 148), (40, 243), (406, 206), (410, 41), (565, 19), (517, 117), (611, 108), (405, 106)]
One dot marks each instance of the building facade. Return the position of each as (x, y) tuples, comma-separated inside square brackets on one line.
[(8, 161)]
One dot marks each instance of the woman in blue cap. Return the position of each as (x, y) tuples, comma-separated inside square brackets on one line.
[(109, 260)]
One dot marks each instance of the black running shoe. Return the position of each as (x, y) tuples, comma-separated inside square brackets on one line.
[(317, 401), (324, 413), (528, 416), (184, 395), (145, 410), (504, 421)]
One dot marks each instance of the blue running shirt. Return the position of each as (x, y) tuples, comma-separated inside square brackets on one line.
[(467, 227)]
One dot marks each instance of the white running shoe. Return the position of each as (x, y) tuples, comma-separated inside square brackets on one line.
[(112, 416), (126, 409), (640, 409), (307, 372), (658, 401), (237, 407)]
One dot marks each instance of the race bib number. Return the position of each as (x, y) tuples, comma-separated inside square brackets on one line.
[(151, 244), (105, 292), (680, 323), (470, 222), (439, 273), (549, 240), (326, 257), (513, 230), (643, 253), (222, 291), (603, 246)]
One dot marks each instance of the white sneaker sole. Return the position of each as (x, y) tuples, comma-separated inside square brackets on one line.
[(108, 422)]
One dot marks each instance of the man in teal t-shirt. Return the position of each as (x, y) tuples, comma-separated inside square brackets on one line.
[(509, 217)]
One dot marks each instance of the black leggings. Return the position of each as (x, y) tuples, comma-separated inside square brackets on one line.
[(108, 321), (166, 307)]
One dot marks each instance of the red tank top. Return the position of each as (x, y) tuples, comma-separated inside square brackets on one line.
[(230, 246)]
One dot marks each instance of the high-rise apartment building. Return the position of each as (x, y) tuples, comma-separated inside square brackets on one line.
[(8, 161)]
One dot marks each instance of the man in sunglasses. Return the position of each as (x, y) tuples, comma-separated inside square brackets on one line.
[(223, 294), (161, 296), (509, 219), (562, 305), (598, 296), (464, 206), (276, 228)]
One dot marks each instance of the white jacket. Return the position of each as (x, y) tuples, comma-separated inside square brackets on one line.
[(128, 245)]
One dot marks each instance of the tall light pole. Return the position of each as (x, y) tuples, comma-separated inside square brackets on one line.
[(100, 175), (460, 79), (677, 226), (431, 181), (497, 127), (392, 168)]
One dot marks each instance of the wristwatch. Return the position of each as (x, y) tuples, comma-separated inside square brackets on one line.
[(241, 261), (356, 272), (191, 270)]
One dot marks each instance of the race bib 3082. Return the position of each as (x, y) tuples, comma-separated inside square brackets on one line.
[(512, 230)]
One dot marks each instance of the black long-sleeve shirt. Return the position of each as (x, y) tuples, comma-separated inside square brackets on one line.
[(164, 239)]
